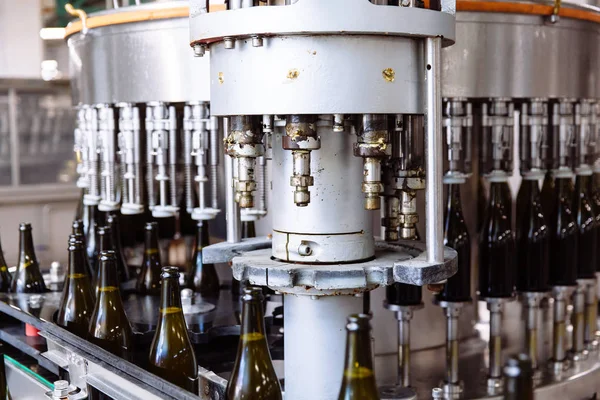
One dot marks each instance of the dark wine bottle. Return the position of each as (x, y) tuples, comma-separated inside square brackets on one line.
[(456, 236), (148, 282), (563, 237), (587, 240), (497, 245), (518, 378), (78, 231), (112, 220), (204, 278), (105, 243), (109, 327), (77, 302), (5, 278), (358, 381), (28, 278), (171, 353), (91, 222), (253, 376), (595, 193), (533, 239), (547, 196)]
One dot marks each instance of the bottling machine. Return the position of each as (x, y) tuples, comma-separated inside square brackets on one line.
[(353, 119)]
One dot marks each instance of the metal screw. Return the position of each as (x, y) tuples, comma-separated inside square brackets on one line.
[(304, 250), (199, 50), (405, 3), (229, 43), (257, 41)]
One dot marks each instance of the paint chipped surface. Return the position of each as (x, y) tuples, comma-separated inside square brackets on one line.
[(221, 78), (293, 74), (389, 75)]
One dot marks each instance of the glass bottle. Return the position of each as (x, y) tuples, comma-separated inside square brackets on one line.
[(149, 279), (105, 243), (5, 278), (112, 220), (91, 222), (563, 237), (456, 236), (497, 245), (358, 381), (28, 278), (204, 278), (171, 353), (253, 376), (595, 194), (109, 327), (533, 239), (586, 222), (77, 230), (77, 300), (547, 196), (518, 378)]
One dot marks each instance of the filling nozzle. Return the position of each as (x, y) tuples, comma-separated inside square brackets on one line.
[(161, 125), (458, 129), (585, 136), (131, 153), (92, 197), (534, 138), (408, 216), (244, 144), (81, 149), (531, 306), (108, 151), (301, 138), (452, 387), (564, 138), (373, 146), (497, 121)]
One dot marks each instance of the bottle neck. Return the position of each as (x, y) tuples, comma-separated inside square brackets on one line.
[(253, 327), (26, 243), (359, 362), (582, 183), (454, 202), (170, 299), (202, 238), (109, 280), (499, 193), (563, 186), (106, 242), (151, 244), (77, 261)]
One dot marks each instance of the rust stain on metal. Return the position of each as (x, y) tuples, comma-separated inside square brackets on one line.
[(221, 78), (293, 74), (389, 75)]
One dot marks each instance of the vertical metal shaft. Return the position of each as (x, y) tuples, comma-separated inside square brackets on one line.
[(232, 210), (591, 315), (452, 314), (495, 343), (559, 342), (404, 317), (578, 321), (173, 156), (434, 231), (531, 307), (214, 162)]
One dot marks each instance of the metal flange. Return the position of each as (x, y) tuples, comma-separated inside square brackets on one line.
[(404, 262), (224, 252)]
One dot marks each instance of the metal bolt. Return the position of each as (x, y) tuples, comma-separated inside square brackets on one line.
[(229, 43), (405, 3), (437, 393), (304, 250), (257, 41), (199, 50)]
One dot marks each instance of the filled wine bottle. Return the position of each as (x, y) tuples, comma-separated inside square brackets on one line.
[(171, 353), (563, 236), (148, 282), (109, 327), (105, 243), (518, 378), (253, 376), (204, 278), (91, 222), (533, 239), (586, 221), (456, 236), (112, 220), (28, 278), (358, 381), (595, 193), (77, 301), (77, 230), (547, 196), (497, 245), (5, 278)]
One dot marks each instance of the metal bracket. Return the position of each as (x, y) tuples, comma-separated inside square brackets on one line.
[(224, 252)]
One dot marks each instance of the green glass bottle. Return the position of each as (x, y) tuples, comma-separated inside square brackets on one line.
[(204, 278), (586, 222), (109, 327), (5, 278), (112, 220), (105, 243), (148, 282), (77, 229), (595, 194), (171, 353), (28, 278), (253, 376), (91, 223), (77, 300), (358, 381)]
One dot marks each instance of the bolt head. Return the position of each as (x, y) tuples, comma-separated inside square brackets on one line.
[(199, 50), (229, 43), (257, 41)]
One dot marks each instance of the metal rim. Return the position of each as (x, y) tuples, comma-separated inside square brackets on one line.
[(568, 10)]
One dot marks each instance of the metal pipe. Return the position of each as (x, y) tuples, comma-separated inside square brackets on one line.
[(531, 307), (434, 231), (15, 152), (578, 321), (591, 315), (173, 156), (559, 340), (452, 314), (214, 161), (404, 316), (232, 211)]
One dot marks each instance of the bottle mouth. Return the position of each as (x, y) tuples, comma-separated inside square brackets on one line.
[(358, 322), (24, 226), (170, 272), (150, 226), (107, 255), (251, 293), (104, 230)]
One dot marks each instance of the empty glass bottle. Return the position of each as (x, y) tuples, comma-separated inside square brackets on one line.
[(109, 327), (171, 353), (5, 278), (105, 243), (456, 235), (204, 278), (112, 220), (497, 245), (77, 302), (77, 230), (253, 376), (586, 222), (533, 239), (91, 222), (28, 278), (563, 256), (149, 279), (358, 381)]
